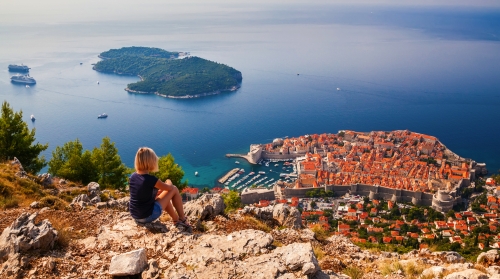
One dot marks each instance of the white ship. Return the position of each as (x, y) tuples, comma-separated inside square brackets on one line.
[(24, 79)]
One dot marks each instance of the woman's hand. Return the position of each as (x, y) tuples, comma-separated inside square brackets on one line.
[(168, 182)]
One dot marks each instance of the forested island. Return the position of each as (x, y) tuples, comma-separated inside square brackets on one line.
[(163, 74)]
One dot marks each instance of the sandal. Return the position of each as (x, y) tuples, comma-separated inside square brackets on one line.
[(183, 225)]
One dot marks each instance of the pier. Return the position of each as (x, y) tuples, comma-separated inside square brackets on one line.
[(244, 156), (229, 174)]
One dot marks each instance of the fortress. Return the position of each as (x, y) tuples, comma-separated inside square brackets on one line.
[(401, 166)]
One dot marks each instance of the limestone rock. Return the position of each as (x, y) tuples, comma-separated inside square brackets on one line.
[(152, 271), (467, 274), (299, 256), (287, 216), (82, 200), (123, 203), (45, 179), (94, 190), (284, 214), (101, 205), (130, 263), (433, 271), (493, 270), (204, 208), (95, 200), (24, 235), (488, 258), (35, 204)]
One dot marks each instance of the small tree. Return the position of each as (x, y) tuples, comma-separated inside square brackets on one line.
[(111, 171), (232, 200), (16, 140), (168, 169), (71, 162)]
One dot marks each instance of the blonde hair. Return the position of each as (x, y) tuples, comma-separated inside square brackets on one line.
[(146, 160)]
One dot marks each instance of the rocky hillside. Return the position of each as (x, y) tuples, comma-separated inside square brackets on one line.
[(93, 238)]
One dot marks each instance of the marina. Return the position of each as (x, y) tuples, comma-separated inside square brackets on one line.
[(260, 175)]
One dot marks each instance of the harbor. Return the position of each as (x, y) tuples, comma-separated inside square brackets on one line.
[(264, 174)]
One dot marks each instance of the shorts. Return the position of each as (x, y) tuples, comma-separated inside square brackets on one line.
[(155, 215)]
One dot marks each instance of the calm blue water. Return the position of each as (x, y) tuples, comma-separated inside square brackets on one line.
[(433, 71)]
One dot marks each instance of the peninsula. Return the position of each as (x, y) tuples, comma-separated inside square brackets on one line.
[(163, 74), (397, 165)]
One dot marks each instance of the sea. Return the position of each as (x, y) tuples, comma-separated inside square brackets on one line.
[(429, 69)]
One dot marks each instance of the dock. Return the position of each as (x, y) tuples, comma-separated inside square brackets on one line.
[(227, 175)]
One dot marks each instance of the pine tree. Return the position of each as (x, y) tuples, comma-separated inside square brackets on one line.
[(111, 171), (168, 169), (16, 140), (71, 162)]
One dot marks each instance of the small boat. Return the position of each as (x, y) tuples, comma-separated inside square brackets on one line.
[(81, 63), (237, 162), (97, 82), (262, 172), (276, 165), (195, 173), (27, 86), (32, 117), (251, 173), (338, 88), (103, 115)]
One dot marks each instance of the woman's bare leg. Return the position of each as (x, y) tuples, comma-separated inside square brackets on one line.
[(172, 199)]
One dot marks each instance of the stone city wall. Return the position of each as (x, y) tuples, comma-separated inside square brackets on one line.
[(254, 196)]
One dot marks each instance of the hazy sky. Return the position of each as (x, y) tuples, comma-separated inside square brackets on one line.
[(56, 11)]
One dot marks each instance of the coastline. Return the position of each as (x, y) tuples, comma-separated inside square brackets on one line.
[(216, 92)]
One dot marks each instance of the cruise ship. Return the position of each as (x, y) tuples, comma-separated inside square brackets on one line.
[(18, 68), (24, 79)]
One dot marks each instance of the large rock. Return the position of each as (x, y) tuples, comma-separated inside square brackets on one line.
[(287, 216), (24, 235), (448, 257), (45, 179), (94, 190), (204, 208), (284, 214), (433, 271), (467, 274), (80, 200), (131, 263), (299, 256), (488, 258)]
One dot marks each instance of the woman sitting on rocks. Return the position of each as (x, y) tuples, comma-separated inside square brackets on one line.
[(146, 202)]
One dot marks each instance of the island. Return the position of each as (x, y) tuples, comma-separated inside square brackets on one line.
[(163, 73)]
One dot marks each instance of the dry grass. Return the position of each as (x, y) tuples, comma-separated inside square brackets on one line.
[(410, 270), (15, 191), (481, 268), (320, 233), (353, 272), (64, 229), (53, 202), (277, 243), (318, 252), (256, 223)]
